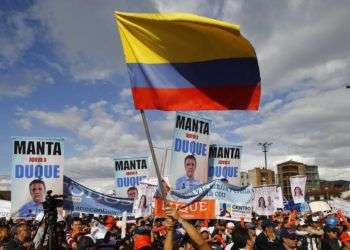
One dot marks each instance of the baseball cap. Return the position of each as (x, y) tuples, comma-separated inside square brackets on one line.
[(285, 233), (230, 225), (267, 223)]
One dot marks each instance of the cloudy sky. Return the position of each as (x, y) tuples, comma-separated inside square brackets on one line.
[(62, 74)]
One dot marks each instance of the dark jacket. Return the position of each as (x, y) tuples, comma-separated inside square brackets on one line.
[(263, 243), (330, 244)]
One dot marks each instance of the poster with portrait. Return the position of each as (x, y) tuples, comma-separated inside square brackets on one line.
[(190, 151), (143, 204), (266, 200), (37, 166), (297, 185), (278, 201), (233, 203), (129, 172), (224, 163)]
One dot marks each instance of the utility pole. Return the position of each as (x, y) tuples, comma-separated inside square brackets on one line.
[(265, 146)]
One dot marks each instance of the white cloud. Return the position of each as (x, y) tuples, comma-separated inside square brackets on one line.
[(125, 93), (109, 136), (85, 35), (103, 185), (15, 90), (313, 127), (69, 118), (23, 83)]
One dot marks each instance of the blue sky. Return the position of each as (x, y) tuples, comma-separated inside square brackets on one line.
[(62, 74)]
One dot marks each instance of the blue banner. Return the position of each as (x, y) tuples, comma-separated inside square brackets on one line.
[(82, 199)]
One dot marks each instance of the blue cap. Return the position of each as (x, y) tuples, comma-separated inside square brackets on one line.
[(331, 222), (285, 233), (268, 223)]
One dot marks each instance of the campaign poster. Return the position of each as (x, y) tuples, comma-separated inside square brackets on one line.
[(143, 204), (279, 199), (297, 185), (190, 151), (37, 166), (129, 173), (266, 200), (224, 163), (233, 203)]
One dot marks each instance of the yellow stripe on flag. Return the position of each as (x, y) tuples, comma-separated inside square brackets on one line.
[(179, 38)]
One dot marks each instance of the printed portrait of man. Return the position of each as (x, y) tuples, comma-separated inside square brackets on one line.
[(132, 193), (188, 179), (37, 191)]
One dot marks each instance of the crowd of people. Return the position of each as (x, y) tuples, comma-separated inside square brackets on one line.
[(280, 231)]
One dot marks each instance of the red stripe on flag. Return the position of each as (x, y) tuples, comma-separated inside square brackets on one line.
[(208, 98)]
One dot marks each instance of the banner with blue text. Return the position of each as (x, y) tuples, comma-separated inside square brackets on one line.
[(129, 172), (224, 163), (84, 200)]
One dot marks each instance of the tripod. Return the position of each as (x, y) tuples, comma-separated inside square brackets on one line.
[(50, 220)]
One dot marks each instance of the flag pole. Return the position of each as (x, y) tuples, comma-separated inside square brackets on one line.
[(150, 144)]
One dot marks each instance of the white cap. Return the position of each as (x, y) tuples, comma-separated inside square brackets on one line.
[(230, 225)]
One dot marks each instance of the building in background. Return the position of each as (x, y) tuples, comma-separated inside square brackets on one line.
[(331, 189), (244, 179), (312, 182), (292, 168), (261, 176)]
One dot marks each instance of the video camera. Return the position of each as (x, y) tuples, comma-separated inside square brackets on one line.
[(52, 201)]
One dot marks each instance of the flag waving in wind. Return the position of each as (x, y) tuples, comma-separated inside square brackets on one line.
[(179, 61)]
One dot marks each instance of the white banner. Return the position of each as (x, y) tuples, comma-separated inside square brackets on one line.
[(190, 151), (266, 200), (279, 199), (297, 185), (129, 173), (37, 166), (340, 204), (224, 163), (5, 209)]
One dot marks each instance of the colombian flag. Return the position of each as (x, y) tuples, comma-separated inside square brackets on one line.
[(180, 61)]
